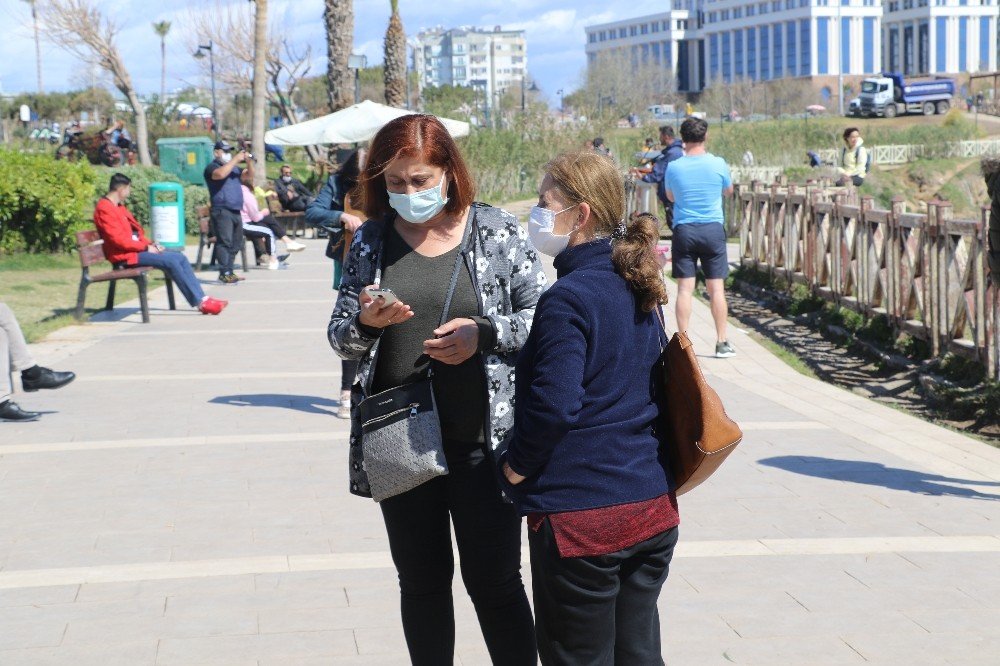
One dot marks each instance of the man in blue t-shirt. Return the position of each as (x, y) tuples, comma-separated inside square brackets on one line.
[(696, 184), (222, 176)]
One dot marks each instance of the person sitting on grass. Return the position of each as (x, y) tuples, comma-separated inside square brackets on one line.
[(126, 245), (14, 354), (258, 224)]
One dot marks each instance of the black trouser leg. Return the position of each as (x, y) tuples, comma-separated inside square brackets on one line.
[(488, 533), (348, 369), (599, 611), (420, 542)]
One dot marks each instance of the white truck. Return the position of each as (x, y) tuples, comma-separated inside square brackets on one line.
[(889, 95)]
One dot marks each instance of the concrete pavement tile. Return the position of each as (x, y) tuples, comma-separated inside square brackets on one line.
[(793, 651), (114, 653), (22, 631), (804, 623), (217, 651), (39, 596), (937, 620), (200, 587), (926, 650), (384, 639), (289, 617)]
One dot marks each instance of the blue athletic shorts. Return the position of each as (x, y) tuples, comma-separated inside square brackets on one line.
[(694, 242)]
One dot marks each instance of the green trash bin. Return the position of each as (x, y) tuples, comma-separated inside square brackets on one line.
[(166, 213), (186, 157)]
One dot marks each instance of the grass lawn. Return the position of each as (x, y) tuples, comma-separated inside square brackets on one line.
[(41, 290)]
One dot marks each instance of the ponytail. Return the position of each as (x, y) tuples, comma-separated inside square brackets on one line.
[(633, 254)]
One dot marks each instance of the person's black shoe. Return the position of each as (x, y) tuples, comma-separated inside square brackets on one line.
[(43, 378), (10, 411)]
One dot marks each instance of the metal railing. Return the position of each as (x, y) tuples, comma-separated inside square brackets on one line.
[(925, 272)]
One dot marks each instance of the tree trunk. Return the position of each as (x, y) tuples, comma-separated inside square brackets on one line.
[(141, 128), (259, 89), (38, 47), (339, 18), (395, 60)]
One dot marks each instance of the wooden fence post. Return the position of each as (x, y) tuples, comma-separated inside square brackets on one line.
[(931, 269), (864, 246), (894, 264)]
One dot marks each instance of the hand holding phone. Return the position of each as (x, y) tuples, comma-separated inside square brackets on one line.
[(381, 307), (386, 296)]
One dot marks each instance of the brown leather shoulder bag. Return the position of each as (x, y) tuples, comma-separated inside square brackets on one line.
[(699, 433)]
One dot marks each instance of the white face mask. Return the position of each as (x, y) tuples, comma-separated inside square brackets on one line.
[(420, 206), (541, 222), (227, 157)]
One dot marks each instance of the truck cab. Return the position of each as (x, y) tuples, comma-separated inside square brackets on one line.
[(876, 94)]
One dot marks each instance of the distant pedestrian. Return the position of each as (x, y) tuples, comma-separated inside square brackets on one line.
[(330, 211), (854, 162), (748, 159), (814, 159), (600, 147), (292, 193), (696, 184), (260, 225), (673, 149), (222, 176)]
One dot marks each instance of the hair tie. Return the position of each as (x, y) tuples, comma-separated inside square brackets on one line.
[(619, 232)]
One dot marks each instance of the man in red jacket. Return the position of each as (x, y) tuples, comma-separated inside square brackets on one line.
[(125, 244)]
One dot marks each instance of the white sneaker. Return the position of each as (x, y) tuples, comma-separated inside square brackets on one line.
[(273, 265), (294, 246)]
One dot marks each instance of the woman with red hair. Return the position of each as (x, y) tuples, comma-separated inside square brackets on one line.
[(438, 251)]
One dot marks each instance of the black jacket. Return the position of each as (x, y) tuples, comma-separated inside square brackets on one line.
[(282, 188)]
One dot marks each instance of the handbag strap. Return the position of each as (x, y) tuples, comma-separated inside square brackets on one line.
[(456, 271), (664, 336)]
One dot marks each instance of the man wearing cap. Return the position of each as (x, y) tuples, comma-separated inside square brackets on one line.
[(222, 176)]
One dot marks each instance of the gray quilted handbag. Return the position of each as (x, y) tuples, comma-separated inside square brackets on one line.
[(400, 429)]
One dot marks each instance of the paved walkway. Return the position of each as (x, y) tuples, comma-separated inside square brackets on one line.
[(184, 502)]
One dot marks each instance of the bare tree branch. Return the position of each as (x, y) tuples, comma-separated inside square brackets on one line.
[(79, 27), (230, 28)]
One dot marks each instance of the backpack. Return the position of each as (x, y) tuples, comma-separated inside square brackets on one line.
[(857, 154)]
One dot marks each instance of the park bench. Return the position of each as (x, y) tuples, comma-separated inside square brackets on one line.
[(91, 253), (206, 239), (293, 222)]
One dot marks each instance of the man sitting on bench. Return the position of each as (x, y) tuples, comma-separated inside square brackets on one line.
[(125, 245)]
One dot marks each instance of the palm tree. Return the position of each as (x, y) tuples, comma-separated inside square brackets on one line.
[(38, 47), (260, 48), (338, 15), (161, 29), (395, 60)]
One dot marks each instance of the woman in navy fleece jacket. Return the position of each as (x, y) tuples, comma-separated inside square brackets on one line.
[(584, 462)]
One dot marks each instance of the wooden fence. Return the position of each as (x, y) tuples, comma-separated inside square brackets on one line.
[(926, 273), (901, 154)]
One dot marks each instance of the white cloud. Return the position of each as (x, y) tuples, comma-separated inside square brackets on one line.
[(554, 28)]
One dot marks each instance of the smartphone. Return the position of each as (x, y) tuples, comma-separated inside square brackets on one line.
[(385, 294)]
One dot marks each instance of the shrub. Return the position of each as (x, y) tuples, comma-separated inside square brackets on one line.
[(43, 202)]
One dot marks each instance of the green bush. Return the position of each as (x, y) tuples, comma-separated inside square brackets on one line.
[(43, 202)]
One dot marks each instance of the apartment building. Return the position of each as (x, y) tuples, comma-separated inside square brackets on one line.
[(491, 61), (706, 40)]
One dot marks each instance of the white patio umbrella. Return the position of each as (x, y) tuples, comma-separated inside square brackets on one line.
[(355, 124)]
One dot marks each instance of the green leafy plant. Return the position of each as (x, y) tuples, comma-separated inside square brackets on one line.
[(43, 202)]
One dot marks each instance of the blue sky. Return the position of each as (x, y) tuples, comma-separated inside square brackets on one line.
[(554, 31)]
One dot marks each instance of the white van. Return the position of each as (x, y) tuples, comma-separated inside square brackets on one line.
[(661, 111)]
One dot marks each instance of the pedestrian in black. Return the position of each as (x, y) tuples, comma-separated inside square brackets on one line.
[(222, 176)]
